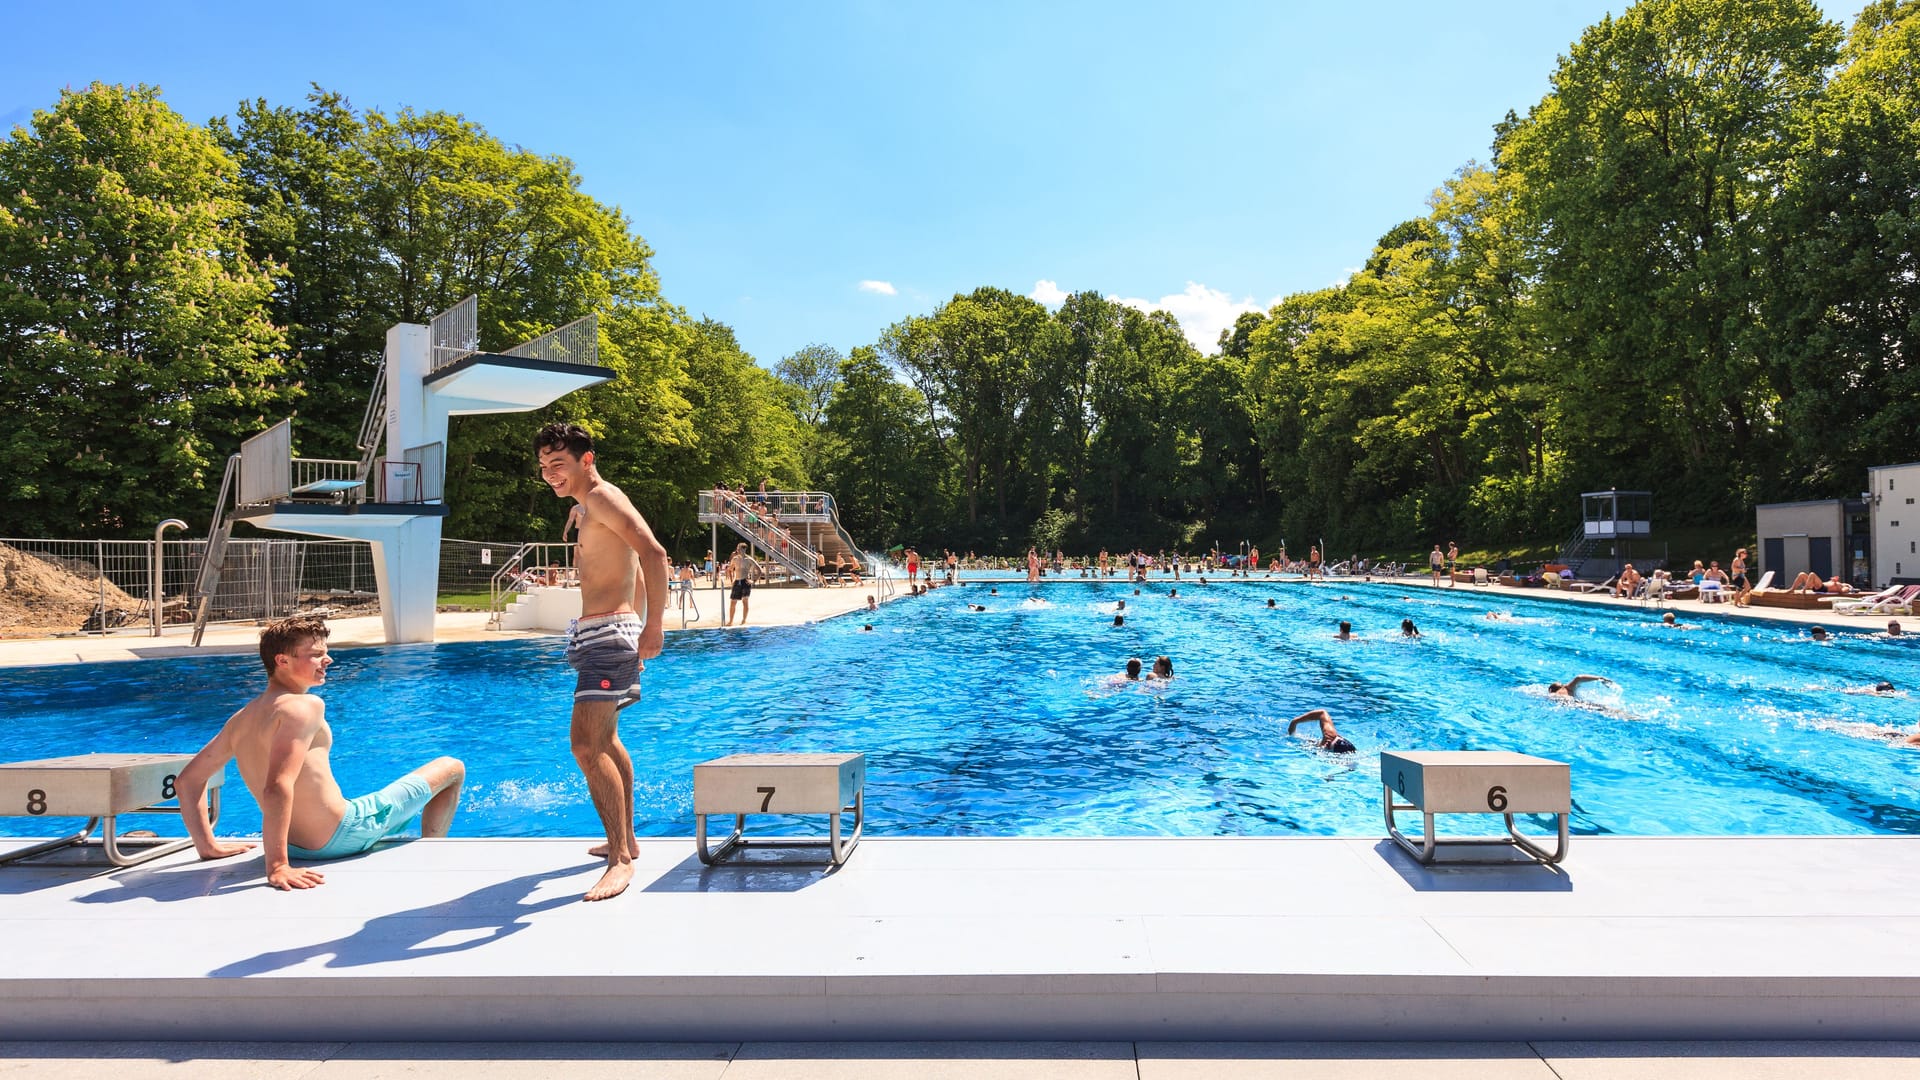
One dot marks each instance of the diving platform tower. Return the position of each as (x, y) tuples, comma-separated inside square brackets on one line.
[(396, 502)]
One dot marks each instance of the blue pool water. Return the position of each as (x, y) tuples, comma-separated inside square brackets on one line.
[(1002, 723)]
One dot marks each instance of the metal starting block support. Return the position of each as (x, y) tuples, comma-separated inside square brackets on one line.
[(1475, 782), (98, 787), (742, 784)]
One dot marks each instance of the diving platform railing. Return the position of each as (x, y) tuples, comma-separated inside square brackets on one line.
[(265, 474)]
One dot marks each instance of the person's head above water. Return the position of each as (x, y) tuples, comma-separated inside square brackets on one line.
[(1163, 667), (1119, 620), (1122, 607), (1818, 633), (1883, 687), (1668, 618), (1407, 628), (1269, 601), (1893, 628), (1133, 668), (1346, 629)]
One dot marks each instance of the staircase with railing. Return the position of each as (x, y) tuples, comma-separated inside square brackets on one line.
[(1577, 549), (769, 534), (800, 530)]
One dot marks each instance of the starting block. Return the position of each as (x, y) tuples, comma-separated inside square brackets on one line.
[(742, 784), (98, 787), (1475, 782)]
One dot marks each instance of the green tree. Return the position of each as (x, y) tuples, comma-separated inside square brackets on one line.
[(1648, 175), (1843, 316), (135, 348)]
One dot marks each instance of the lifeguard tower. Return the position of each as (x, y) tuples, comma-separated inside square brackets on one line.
[(396, 501), (1614, 530)]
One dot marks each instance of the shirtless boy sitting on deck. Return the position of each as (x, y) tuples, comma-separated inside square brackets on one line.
[(281, 741)]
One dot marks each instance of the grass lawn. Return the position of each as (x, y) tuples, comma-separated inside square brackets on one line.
[(471, 601)]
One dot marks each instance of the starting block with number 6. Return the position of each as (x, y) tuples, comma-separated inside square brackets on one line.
[(742, 784), (98, 787), (1475, 782)]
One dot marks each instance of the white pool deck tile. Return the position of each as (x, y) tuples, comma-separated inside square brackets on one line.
[(1028, 1060), (1017, 938)]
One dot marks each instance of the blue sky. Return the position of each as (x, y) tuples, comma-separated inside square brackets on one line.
[(813, 172)]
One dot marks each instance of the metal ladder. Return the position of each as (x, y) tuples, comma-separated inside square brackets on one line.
[(374, 425), (214, 558)]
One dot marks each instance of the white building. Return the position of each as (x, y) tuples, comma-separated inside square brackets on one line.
[(1892, 491)]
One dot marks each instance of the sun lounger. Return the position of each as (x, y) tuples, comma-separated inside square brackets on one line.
[(1590, 587), (1900, 602)]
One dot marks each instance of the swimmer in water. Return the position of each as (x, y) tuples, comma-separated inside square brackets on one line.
[(1569, 688), (1133, 671), (1346, 632), (1893, 628), (1497, 616), (1162, 668), (1122, 606), (1330, 740), (1173, 594), (1883, 688), (1269, 601), (1407, 629), (1818, 633), (1119, 620), (976, 607)]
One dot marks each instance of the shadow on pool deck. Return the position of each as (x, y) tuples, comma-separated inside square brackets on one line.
[(495, 910), (1522, 875)]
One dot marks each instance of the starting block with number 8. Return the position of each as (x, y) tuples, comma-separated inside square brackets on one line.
[(1475, 782), (98, 787), (742, 784)]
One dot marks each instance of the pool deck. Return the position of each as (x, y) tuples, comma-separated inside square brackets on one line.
[(794, 606), (1071, 939)]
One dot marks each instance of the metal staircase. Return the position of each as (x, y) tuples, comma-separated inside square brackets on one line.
[(219, 531), (1577, 549), (373, 426), (763, 535)]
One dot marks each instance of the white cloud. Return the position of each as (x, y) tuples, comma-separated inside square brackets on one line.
[(884, 288), (1048, 292), (1203, 312)]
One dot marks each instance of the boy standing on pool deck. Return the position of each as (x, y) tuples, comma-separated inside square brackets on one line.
[(622, 567), (282, 741)]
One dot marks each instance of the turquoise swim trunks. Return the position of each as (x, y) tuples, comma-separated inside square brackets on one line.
[(372, 818)]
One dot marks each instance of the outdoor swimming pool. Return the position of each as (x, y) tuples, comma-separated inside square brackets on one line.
[(1002, 723)]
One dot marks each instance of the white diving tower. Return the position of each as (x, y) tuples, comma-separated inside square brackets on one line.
[(396, 502)]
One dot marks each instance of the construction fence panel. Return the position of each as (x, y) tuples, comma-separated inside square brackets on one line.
[(102, 586)]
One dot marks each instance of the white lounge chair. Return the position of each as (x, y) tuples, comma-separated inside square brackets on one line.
[(1590, 587), (1901, 603)]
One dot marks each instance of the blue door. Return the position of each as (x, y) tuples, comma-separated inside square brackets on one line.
[(1820, 555)]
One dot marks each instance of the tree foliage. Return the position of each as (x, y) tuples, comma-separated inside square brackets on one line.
[(1690, 267)]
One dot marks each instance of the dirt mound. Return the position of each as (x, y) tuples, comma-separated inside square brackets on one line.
[(44, 593)]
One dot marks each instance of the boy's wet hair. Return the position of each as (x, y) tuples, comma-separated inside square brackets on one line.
[(288, 634), (558, 436)]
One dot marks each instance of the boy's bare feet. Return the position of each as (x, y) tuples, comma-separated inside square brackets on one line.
[(612, 883)]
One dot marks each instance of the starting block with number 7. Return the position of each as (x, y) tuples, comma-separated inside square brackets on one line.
[(742, 784), (98, 787), (1475, 782)]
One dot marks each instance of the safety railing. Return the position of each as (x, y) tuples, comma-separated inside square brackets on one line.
[(455, 333), (417, 476), (578, 342), (533, 564), (765, 533)]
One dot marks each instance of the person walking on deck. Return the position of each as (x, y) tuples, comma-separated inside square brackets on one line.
[(622, 568)]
